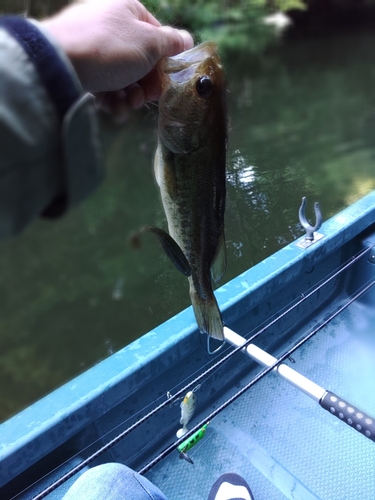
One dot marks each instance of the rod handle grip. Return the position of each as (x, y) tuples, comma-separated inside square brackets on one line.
[(349, 414)]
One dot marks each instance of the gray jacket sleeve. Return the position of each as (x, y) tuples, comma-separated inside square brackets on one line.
[(50, 156)]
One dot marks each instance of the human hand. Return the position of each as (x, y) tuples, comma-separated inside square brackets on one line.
[(114, 46)]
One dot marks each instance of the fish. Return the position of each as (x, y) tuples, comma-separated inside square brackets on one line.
[(190, 169), (188, 405)]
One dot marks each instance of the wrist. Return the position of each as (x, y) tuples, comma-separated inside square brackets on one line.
[(61, 85), (66, 38)]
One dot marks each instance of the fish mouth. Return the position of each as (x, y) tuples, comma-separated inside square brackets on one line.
[(195, 55), (182, 67)]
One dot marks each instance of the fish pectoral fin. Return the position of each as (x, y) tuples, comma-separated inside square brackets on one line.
[(169, 174), (172, 250), (219, 264), (165, 171)]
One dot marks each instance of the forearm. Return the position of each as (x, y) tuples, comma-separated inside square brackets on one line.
[(45, 167)]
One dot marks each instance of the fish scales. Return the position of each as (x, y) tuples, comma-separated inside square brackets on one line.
[(190, 169)]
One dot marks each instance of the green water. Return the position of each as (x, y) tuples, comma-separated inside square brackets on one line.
[(302, 122)]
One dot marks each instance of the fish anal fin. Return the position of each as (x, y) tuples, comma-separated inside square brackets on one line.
[(171, 248), (207, 314), (219, 264)]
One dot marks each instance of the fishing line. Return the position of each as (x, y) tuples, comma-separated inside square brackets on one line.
[(354, 297), (194, 382), (199, 370), (171, 400), (167, 451), (79, 453), (127, 431)]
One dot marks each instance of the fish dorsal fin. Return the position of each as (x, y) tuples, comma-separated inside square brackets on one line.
[(219, 264)]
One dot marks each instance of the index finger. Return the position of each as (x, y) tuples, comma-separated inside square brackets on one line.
[(145, 15)]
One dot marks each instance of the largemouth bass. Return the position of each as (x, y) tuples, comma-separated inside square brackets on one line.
[(190, 169)]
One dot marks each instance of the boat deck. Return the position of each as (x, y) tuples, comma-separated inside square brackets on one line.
[(281, 441)]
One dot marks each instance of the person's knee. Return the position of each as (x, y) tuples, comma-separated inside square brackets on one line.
[(113, 481)]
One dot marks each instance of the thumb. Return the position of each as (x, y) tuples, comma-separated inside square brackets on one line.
[(173, 41)]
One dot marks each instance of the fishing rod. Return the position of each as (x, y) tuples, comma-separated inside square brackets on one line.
[(328, 400), (355, 418)]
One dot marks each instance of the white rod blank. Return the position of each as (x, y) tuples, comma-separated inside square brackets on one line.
[(302, 383)]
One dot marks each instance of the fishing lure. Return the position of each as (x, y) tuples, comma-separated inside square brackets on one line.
[(190, 442), (187, 406)]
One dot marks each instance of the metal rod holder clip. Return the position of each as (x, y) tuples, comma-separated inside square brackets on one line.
[(305, 223), (310, 230)]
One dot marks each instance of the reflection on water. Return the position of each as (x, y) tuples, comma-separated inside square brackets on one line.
[(74, 291)]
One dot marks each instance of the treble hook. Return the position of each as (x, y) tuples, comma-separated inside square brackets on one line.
[(305, 223)]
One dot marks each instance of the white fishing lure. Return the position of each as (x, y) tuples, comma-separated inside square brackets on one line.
[(187, 406)]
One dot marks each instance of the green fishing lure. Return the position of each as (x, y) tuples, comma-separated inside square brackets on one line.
[(190, 442)]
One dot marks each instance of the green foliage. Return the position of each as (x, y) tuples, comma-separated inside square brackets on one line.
[(198, 13), (231, 23), (285, 5)]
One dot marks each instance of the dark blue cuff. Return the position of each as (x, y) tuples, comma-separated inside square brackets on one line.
[(52, 71)]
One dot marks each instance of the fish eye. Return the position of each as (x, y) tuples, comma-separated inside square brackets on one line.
[(204, 86)]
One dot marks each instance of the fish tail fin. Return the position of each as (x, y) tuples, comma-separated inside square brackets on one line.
[(207, 314)]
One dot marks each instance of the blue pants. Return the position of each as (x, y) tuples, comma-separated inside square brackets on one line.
[(113, 481)]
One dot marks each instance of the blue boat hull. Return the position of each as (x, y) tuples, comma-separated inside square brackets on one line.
[(281, 441)]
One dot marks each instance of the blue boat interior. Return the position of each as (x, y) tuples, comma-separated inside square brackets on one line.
[(279, 439)]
